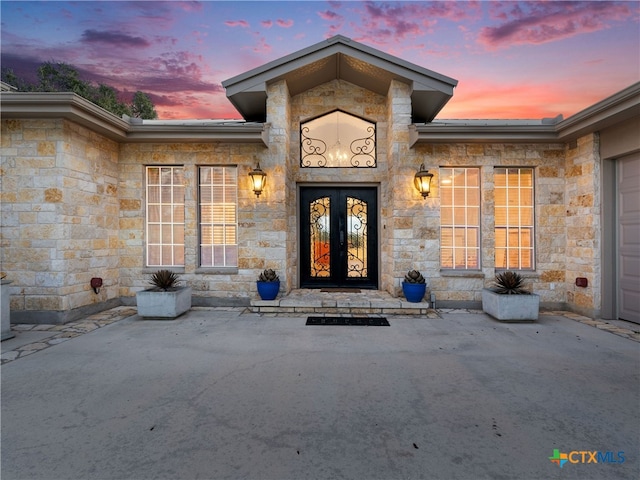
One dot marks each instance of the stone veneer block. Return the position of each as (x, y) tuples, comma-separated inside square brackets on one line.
[(300, 302), (353, 303)]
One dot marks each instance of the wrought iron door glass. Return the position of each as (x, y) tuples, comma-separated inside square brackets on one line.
[(338, 238), (356, 237), (320, 230)]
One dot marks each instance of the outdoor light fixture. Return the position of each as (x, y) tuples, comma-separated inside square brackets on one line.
[(422, 181), (258, 179)]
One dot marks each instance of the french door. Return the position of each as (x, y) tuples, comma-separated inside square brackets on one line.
[(338, 237)]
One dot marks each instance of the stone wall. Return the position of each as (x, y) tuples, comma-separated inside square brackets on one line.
[(259, 243), (583, 206), (320, 100), (462, 287), (59, 218), (73, 207)]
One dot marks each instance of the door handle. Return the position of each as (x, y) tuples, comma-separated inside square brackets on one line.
[(342, 238)]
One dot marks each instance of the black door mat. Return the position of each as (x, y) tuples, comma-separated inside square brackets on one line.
[(355, 321)]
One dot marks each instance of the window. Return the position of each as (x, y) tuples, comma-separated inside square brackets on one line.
[(514, 218), (218, 192), (338, 140), (460, 218), (165, 216)]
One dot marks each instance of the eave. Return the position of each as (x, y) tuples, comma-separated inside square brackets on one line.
[(613, 110), (442, 132), (72, 107), (343, 59)]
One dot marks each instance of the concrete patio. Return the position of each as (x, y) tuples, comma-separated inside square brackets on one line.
[(230, 394)]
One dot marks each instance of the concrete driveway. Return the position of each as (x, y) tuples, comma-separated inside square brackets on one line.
[(224, 395)]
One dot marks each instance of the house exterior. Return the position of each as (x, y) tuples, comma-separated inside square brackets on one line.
[(340, 129)]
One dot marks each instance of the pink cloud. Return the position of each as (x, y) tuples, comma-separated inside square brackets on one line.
[(262, 47), (389, 23), (329, 15), (541, 22), (237, 23), (189, 6), (284, 23), (266, 23)]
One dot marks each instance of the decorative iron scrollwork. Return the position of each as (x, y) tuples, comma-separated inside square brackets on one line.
[(319, 223), (357, 238), (314, 152)]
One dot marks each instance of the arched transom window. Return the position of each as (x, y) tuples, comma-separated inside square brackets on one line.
[(338, 140)]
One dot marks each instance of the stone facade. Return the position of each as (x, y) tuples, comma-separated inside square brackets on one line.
[(73, 201), (60, 215), (583, 205)]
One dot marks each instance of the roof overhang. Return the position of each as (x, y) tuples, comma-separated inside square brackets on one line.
[(613, 110), (343, 59), (32, 105)]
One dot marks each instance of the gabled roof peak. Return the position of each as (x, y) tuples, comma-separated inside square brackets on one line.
[(340, 57)]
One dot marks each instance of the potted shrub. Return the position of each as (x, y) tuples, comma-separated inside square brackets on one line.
[(509, 301), (268, 284), (414, 286), (166, 299)]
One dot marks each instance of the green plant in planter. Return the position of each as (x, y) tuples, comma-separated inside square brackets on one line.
[(509, 283), (508, 301), (268, 284), (165, 299), (414, 276), (414, 286), (269, 275), (165, 280)]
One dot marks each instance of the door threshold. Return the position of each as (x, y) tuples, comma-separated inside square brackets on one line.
[(340, 290)]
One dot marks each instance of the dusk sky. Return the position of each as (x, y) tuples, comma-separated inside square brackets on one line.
[(512, 59)]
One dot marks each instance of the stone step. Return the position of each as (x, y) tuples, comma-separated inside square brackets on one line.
[(367, 302)]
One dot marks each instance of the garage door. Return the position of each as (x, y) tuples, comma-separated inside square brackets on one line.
[(629, 238)]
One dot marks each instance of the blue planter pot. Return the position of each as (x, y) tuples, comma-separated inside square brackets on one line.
[(414, 292), (268, 290)]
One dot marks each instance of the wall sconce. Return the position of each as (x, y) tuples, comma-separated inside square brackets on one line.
[(422, 181), (258, 179)]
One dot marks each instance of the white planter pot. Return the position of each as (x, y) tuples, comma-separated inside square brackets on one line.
[(159, 304), (5, 311), (511, 308)]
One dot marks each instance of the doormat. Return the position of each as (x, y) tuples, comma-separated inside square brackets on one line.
[(340, 290), (355, 321)]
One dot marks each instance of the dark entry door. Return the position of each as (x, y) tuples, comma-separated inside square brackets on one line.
[(338, 237)]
